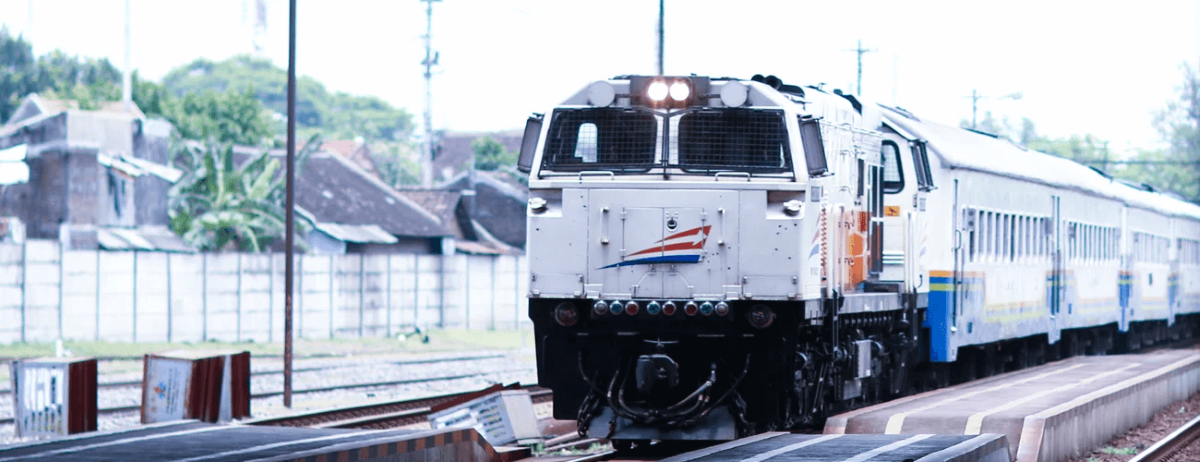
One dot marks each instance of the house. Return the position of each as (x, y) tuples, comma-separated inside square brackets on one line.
[(454, 153), (352, 211), (494, 202), (97, 179)]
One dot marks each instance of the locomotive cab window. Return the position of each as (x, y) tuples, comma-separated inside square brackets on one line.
[(893, 172), (616, 139)]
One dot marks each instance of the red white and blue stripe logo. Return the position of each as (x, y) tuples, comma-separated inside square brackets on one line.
[(683, 247)]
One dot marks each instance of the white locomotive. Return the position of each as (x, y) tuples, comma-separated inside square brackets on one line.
[(712, 258)]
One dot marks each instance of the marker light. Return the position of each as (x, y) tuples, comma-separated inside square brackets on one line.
[(690, 308), (616, 307), (653, 308), (537, 204), (566, 314), (680, 91), (761, 316), (600, 307), (706, 308), (657, 91), (721, 309), (734, 94), (631, 307), (792, 207), (669, 308)]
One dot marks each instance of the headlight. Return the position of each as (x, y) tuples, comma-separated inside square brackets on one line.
[(657, 91), (680, 90)]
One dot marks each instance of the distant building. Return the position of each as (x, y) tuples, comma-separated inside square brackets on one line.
[(97, 179), (454, 152)]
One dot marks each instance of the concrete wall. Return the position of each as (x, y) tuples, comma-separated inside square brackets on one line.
[(46, 293)]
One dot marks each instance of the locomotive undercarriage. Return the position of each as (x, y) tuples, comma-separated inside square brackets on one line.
[(714, 378), (718, 377)]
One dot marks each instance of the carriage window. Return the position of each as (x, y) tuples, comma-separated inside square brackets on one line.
[(893, 172)]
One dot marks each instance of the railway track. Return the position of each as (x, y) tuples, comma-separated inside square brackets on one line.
[(378, 416), (271, 394), (138, 383), (1170, 449)]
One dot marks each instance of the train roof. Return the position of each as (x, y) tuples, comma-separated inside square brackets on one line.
[(969, 150)]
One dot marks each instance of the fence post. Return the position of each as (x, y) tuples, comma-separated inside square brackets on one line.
[(97, 294), (204, 296), (416, 290), (467, 308), (388, 295), (493, 291), (170, 300), (239, 296), (331, 296), (300, 296), (62, 276), (517, 296), (271, 300), (362, 291), (24, 276), (135, 295)]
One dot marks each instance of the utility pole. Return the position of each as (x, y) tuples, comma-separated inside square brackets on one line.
[(976, 96), (661, 35), (126, 78), (289, 271), (431, 59), (860, 51)]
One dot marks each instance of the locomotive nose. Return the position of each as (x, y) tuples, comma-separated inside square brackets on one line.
[(654, 369)]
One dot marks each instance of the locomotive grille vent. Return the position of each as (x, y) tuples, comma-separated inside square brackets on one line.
[(744, 140)]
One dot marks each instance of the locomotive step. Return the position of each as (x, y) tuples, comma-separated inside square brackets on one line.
[(1047, 412), (838, 448), (194, 442)]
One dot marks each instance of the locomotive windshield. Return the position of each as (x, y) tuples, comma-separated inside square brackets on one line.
[(704, 141)]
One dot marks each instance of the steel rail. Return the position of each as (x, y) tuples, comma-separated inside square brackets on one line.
[(270, 394), (1166, 448), (138, 383)]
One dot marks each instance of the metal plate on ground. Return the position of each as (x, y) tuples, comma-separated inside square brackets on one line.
[(855, 448)]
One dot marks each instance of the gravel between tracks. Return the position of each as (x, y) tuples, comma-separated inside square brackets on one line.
[(1126, 446), (514, 366)]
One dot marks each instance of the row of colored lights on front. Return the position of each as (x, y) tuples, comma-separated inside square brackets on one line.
[(653, 308)]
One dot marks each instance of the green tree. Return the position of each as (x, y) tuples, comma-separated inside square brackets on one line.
[(397, 165), (337, 115), (490, 154), (218, 205), (1179, 167), (230, 117)]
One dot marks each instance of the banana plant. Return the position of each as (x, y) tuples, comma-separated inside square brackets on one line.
[(219, 205)]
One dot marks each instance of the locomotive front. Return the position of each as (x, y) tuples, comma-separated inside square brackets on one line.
[(674, 243)]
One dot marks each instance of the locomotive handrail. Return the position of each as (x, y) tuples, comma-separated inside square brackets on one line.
[(717, 177), (584, 173)]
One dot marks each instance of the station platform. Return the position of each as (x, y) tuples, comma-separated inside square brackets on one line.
[(854, 448), (1047, 412), (191, 441)]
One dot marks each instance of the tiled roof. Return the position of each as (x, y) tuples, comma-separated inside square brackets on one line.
[(335, 190)]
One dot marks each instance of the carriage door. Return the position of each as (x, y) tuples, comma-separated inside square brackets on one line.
[(1056, 288), (960, 256)]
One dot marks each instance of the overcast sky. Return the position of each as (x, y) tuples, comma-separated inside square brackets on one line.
[(1101, 67)]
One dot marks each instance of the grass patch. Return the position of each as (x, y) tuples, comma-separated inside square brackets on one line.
[(1119, 451)]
